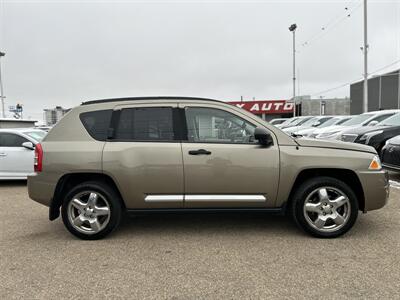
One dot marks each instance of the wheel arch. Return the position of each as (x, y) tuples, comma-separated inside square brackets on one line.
[(347, 176), (70, 180)]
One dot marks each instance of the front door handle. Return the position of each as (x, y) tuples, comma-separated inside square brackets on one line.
[(199, 152), (3, 154)]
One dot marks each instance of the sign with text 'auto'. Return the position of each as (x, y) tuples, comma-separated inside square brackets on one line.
[(266, 106)]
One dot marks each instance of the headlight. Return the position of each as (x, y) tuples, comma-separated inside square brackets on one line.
[(369, 135), (375, 164)]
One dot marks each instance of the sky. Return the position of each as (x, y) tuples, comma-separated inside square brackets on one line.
[(65, 52)]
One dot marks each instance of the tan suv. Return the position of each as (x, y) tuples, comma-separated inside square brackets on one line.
[(170, 154)]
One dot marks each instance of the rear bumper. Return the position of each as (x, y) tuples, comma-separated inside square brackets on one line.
[(41, 189), (376, 188)]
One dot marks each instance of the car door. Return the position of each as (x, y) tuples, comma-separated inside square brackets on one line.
[(15, 161), (144, 156), (223, 165)]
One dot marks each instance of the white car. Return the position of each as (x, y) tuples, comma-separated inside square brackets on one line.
[(366, 119), (312, 122), (295, 121), (278, 121), (287, 122), (16, 151), (313, 131)]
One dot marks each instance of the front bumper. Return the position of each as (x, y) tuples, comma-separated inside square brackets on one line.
[(390, 156), (376, 188)]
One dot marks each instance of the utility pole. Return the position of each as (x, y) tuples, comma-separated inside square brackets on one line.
[(292, 28), (1, 89), (365, 50)]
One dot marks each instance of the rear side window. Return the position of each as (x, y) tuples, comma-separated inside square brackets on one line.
[(11, 140), (145, 124), (97, 123)]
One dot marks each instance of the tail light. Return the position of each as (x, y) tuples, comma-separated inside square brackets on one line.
[(38, 162)]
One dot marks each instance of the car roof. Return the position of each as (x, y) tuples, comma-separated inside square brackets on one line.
[(180, 98), (382, 111)]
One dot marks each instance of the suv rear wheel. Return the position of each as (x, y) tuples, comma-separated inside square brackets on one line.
[(324, 207), (91, 210)]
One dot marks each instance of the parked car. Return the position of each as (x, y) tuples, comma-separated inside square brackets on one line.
[(169, 154), (16, 151), (366, 119), (313, 122), (278, 121), (287, 122), (375, 136), (297, 121), (314, 131), (390, 154), (44, 128)]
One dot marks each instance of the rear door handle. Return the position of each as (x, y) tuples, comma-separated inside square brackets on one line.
[(199, 152), (3, 154)]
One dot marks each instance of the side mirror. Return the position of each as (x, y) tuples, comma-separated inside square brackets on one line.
[(263, 136), (28, 145), (315, 124), (373, 123)]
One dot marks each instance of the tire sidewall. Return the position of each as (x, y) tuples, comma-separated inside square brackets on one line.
[(310, 185), (110, 196)]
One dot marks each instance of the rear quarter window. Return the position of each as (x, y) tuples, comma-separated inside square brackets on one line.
[(97, 123)]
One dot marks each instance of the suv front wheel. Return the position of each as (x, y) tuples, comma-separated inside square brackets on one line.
[(324, 207), (91, 210)]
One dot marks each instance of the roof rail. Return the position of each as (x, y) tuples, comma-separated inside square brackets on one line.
[(146, 98)]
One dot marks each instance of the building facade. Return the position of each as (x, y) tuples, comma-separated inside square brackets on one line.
[(305, 106), (383, 93), (16, 123), (267, 109), (52, 116)]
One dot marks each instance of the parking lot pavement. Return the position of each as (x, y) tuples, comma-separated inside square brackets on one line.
[(195, 256)]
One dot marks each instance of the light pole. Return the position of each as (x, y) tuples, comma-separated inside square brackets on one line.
[(1, 89), (292, 28), (365, 50)]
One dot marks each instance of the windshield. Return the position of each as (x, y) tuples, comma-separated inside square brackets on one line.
[(300, 121), (36, 135), (392, 121), (278, 121), (357, 120), (310, 122), (343, 120), (328, 123), (289, 121)]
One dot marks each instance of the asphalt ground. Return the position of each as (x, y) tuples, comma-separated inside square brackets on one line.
[(213, 256)]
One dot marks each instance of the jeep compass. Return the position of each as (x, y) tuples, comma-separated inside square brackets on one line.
[(176, 154)]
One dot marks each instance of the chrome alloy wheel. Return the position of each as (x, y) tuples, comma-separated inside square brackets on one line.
[(327, 209), (88, 212)]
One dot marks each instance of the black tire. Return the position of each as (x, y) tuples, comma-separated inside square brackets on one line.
[(307, 188), (110, 196)]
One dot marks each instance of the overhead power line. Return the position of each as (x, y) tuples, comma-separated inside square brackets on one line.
[(334, 22), (356, 80)]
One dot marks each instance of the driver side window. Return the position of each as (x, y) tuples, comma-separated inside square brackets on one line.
[(208, 125)]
